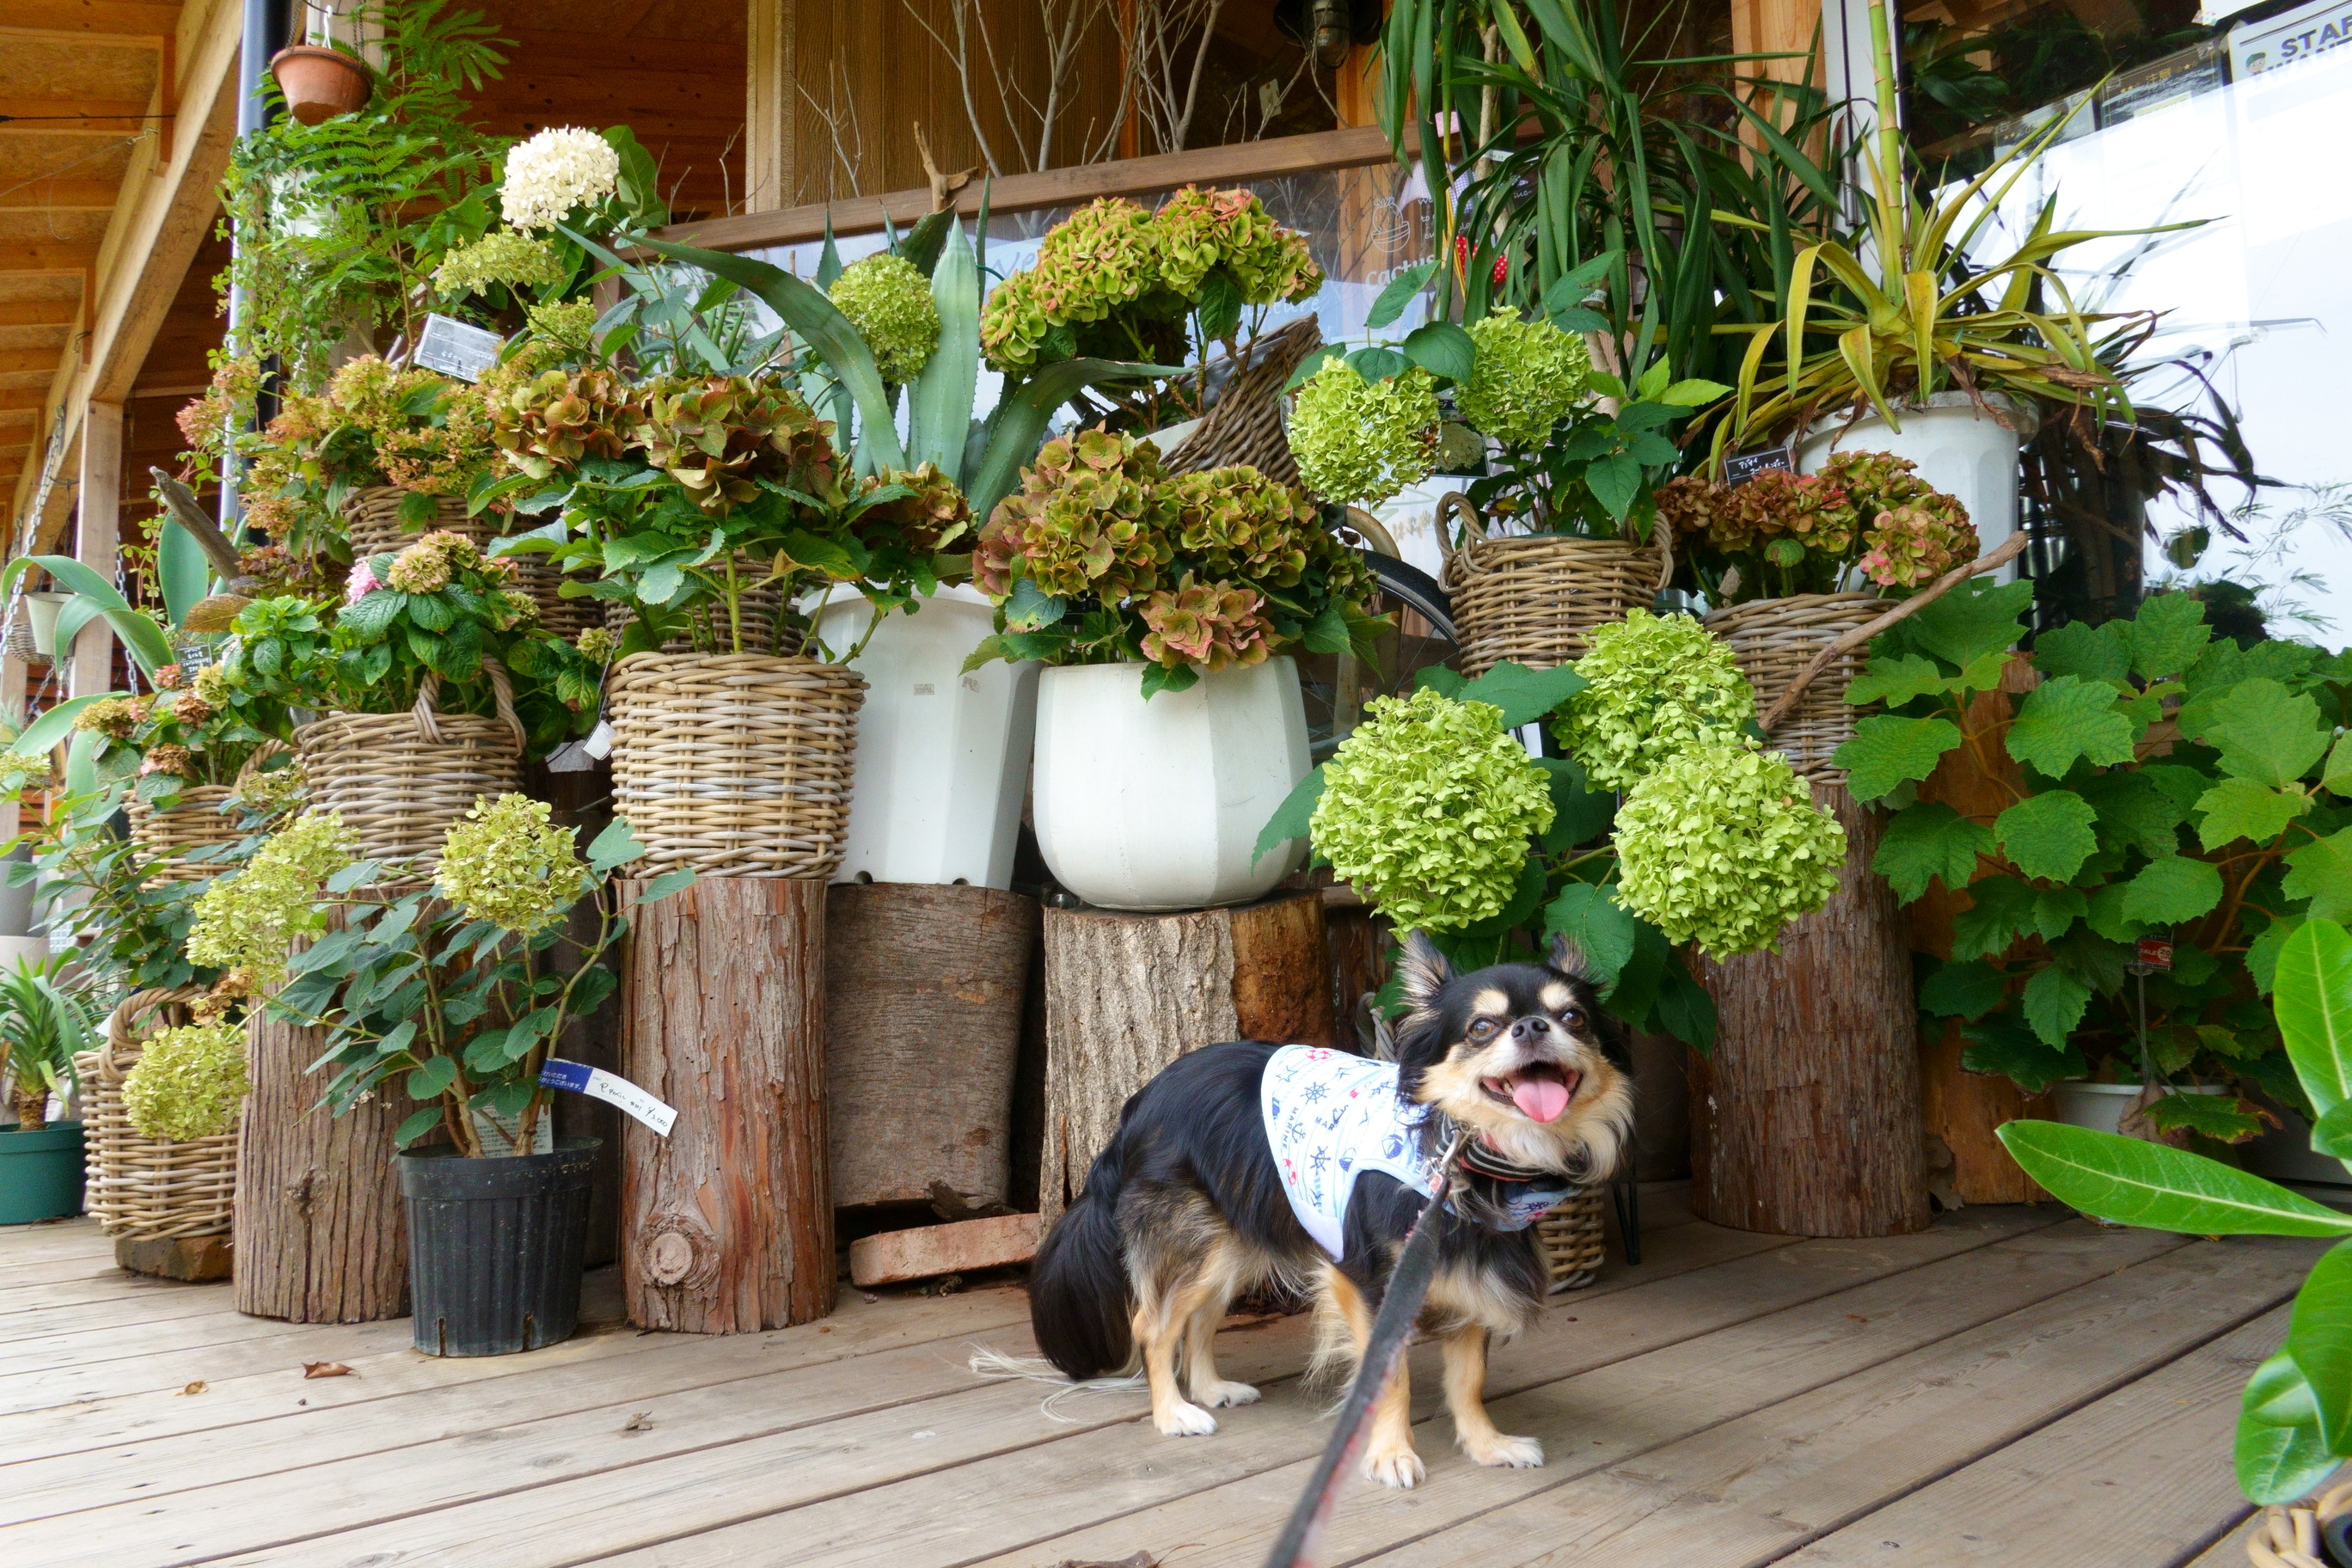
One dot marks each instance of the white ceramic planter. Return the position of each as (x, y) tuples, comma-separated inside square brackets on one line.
[(2101, 1107), (1157, 804), (942, 755), (1959, 451)]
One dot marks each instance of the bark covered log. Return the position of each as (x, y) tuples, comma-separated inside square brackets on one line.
[(1127, 994), (728, 1222), (922, 1038), (1806, 1122), (321, 1236)]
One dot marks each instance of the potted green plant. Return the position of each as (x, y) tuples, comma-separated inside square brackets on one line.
[(458, 993), (1169, 719), (2294, 1426), (43, 1026)]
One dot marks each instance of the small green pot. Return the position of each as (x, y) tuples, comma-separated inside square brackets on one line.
[(40, 1172)]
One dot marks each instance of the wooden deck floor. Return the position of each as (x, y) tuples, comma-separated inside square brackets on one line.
[(2012, 1387)]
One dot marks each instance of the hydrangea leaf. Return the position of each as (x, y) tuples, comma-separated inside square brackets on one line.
[(2241, 808), (1887, 750), (1579, 813), (1968, 990), (1601, 927), (2322, 872), (2054, 1002), (2095, 653), (2001, 1044), (1929, 840), (2263, 732), (2172, 890), (2048, 834), (2168, 637), (2066, 718), (2135, 812)]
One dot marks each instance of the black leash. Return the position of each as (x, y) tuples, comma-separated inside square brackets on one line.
[(1384, 1359)]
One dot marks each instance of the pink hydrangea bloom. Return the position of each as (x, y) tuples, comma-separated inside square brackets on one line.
[(360, 584)]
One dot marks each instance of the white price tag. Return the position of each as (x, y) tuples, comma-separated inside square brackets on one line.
[(610, 1088), (453, 348)]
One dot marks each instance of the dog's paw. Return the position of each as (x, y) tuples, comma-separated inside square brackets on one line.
[(1506, 1452), (1220, 1395), (1401, 1469), (1181, 1420)]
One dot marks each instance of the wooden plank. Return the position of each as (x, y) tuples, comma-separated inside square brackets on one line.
[(955, 1492), (91, 18), (2230, 1551), (45, 255), (73, 116), (1755, 1488), (57, 1324), (82, 1450), (98, 538), (59, 196), (896, 1256), (95, 1282), (1606, 1416), (2121, 1483), (26, 1247), (1351, 148)]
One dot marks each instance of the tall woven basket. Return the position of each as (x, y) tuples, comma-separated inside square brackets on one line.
[(166, 838), (760, 612), (1244, 425), (735, 764), (1774, 639), (140, 1187), (1532, 598), (1574, 1238), (399, 779), (372, 521)]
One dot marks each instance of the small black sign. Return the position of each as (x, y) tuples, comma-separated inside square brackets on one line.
[(1738, 470)]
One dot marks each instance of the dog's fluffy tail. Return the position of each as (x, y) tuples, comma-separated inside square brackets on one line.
[(1080, 1306)]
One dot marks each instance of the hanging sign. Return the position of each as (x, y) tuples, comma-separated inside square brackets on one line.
[(1738, 470), (454, 349), (610, 1088)]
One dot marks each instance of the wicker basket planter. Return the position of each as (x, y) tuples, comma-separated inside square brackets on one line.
[(1774, 639), (762, 611), (1531, 599), (735, 764), (372, 521), (1244, 425), (166, 838), (2308, 1534), (399, 779), (140, 1187), (1574, 1238)]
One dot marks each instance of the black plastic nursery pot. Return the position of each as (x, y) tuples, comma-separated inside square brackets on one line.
[(494, 1246), (40, 1172)]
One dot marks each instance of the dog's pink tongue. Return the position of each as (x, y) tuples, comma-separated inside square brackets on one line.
[(1542, 1098)]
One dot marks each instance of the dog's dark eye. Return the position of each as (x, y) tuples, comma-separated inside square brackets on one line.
[(1483, 1028), (1572, 1017)]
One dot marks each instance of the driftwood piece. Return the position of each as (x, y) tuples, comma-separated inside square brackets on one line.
[(1127, 994), (728, 1222), (1806, 1120), (896, 1256), (194, 1260), (921, 1041), (321, 1236)]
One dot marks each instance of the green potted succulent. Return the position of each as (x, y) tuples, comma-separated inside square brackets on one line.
[(43, 1026), (455, 995), (1166, 610)]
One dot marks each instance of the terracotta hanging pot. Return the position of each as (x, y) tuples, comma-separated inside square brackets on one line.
[(318, 84)]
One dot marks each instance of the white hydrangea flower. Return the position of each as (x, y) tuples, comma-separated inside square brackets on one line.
[(561, 168)]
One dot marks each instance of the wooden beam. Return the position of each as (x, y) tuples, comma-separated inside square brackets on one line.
[(72, 116), (769, 112), (23, 397), (1351, 148), (39, 312), (91, 18), (15, 361), (61, 196), (23, 255), (98, 536)]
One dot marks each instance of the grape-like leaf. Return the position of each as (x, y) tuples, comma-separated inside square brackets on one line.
[(2241, 808), (2054, 1004), (1887, 750), (2172, 890), (1895, 681), (2096, 653), (2220, 1117), (2263, 732), (2169, 635), (2135, 812), (1971, 621), (2066, 718), (2322, 872), (1968, 990), (2048, 834), (2001, 1044), (1928, 840)]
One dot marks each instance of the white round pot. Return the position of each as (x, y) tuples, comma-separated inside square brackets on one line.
[(942, 755), (41, 616), (2101, 1107), (1959, 449), (1158, 804), (2284, 1153)]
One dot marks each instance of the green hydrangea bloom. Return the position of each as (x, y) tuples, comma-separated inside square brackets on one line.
[(187, 1083), (1198, 230), (1658, 684), (889, 303), (506, 863), (1721, 844), (1529, 377), (1358, 442), (1427, 810), (244, 920), (517, 260)]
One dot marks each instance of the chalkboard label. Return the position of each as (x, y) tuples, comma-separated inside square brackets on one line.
[(454, 349), (1738, 470)]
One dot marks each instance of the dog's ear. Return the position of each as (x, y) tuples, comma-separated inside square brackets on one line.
[(1422, 970), (1568, 956)]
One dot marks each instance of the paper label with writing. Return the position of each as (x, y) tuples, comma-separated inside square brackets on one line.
[(453, 348), (610, 1088)]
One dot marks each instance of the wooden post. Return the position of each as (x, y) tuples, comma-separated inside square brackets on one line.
[(97, 537), (1127, 994), (1806, 1122), (728, 1222), (321, 1236), (771, 113), (921, 1042)]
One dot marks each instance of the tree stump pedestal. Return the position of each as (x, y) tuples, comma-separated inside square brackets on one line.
[(728, 1222), (1127, 994), (1806, 1120)]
